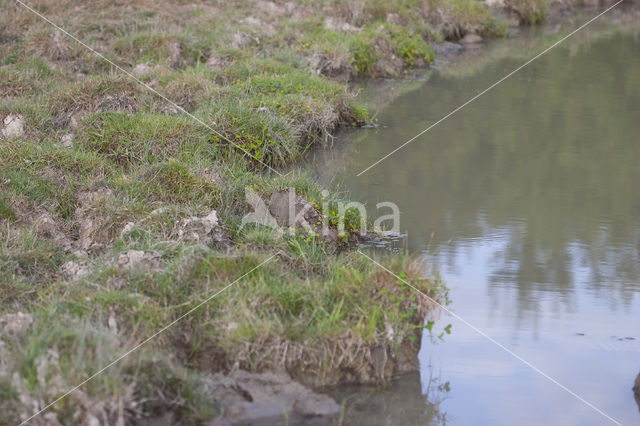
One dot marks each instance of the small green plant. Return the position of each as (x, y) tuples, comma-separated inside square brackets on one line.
[(352, 220), (363, 53), (494, 28), (67, 200), (410, 47), (5, 209)]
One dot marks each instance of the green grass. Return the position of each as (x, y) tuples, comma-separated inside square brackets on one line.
[(152, 47), (410, 47), (140, 138), (305, 298), (5, 209)]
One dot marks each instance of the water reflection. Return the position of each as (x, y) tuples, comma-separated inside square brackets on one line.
[(404, 401), (527, 200), (549, 160)]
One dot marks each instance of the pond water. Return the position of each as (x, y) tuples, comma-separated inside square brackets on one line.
[(527, 203)]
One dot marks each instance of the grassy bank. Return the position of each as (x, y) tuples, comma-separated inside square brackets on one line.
[(107, 193)]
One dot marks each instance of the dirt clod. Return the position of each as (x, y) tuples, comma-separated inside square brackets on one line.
[(139, 260), (141, 69), (334, 66), (15, 324)]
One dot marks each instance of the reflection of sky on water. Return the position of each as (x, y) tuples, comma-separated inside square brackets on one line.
[(489, 386), (527, 200)]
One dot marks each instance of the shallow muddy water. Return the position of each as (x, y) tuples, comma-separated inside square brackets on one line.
[(527, 202)]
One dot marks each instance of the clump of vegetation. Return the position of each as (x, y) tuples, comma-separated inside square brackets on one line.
[(155, 47), (470, 17), (5, 209), (530, 12), (140, 138), (363, 53), (171, 181), (410, 47)]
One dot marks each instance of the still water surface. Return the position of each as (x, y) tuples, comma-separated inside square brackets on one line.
[(528, 204)]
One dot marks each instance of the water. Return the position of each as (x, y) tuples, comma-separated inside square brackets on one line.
[(528, 203)]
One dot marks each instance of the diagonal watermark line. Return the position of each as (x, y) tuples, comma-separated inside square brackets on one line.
[(145, 85), (154, 335), (492, 340), (489, 88)]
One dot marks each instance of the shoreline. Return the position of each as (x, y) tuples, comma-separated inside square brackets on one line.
[(119, 214)]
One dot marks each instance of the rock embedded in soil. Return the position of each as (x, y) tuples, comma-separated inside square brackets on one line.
[(205, 230), (257, 398), (287, 206), (138, 259), (128, 228), (66, 141), (13, 126), (75, 270)]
